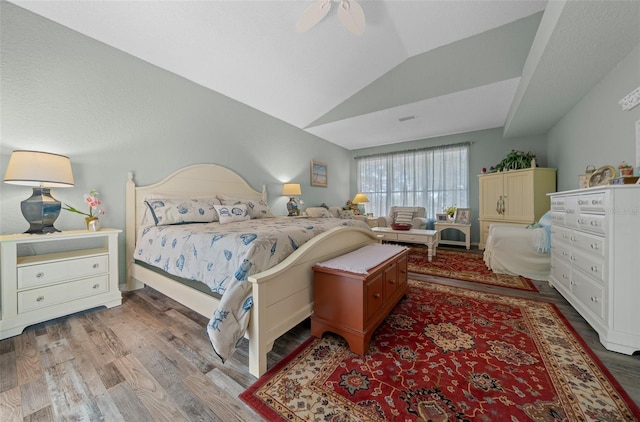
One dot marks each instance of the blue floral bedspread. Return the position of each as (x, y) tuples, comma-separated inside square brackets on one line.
[(224, 256)]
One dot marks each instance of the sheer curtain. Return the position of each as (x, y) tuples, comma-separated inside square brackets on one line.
[(433, 178)]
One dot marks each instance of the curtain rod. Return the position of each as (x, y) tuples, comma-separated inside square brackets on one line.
[(380, 154)]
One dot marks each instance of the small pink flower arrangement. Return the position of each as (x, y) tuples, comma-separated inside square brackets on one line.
[(95, 205)]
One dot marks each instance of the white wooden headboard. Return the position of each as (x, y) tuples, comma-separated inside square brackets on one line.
[(200, 180)]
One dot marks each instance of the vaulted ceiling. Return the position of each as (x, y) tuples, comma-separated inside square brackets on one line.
[(421, 69)]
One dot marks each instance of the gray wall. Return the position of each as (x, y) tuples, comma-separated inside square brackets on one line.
[(112, 113), (488, 148), (596, 130)]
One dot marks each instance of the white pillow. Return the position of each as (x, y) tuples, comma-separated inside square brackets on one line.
[(404, 217), (335, 211), (347, 214), (257, 208), (231, 213), (318, 212), (180, 211)]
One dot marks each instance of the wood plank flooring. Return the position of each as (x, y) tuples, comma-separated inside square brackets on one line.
[(150, 360)]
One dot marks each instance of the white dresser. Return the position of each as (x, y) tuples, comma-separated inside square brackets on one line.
[(50, 275), (595, 259)]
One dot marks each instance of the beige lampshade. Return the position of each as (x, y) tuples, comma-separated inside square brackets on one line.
[(35, 168), (360, 198), (291, 189)]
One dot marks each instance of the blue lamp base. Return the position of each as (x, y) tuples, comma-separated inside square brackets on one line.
[(292, 207), (41, 210)]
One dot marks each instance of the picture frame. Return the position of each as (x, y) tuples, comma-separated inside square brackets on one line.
[(319, 174), (602, 176), (442, 218), (463, 216)]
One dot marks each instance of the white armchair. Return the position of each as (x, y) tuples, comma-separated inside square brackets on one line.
[(415, 215)]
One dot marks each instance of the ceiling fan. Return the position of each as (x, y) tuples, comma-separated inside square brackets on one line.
[(350, 15)]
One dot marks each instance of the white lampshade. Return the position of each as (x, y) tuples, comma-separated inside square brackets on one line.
[(291, 189), (35, 168), (360, 198)]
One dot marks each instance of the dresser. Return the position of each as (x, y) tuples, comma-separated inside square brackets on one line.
[(595, 259), (516, 196), (353, 305), (52, 275)]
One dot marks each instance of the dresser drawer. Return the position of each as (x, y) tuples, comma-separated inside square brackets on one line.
[(561, 250), (592, 204), (588, 264), (52, 272), (560, 234), (591, 223), (411, 238), (387, 236), (589, 293), (48, 296), (560, 272), (588, 243)]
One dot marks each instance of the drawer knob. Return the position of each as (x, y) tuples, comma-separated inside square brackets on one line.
[(376, 296), (39, 298), (594, 299), (594, 268), (392, 282), (96, 265), (594, 246), (95, 286), (40, 275), (594, 223)]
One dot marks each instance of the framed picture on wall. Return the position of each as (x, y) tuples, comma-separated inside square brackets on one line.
[(463, 215), (319, 174)]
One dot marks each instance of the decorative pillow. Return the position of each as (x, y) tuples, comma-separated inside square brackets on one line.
[(231, 213), (180, 211), (257, 208), (335, 211), (318, 212), (347, 214), (404, 217)]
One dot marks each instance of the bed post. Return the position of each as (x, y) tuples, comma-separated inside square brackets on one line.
[(130, 231)]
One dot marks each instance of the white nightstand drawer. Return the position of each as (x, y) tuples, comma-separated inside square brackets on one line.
[(53, 295), (52, 272), (387, 236)]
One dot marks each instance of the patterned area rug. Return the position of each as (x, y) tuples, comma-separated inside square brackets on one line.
[(465, 266), (444, 354)]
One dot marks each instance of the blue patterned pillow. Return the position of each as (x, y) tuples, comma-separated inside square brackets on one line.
[(231, 213), (180, 211), (257, 208)]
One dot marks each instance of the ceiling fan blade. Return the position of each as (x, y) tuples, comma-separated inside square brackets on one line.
[(352, 16), (314, 14)]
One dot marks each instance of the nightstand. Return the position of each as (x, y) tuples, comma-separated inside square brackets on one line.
[(52, 275)]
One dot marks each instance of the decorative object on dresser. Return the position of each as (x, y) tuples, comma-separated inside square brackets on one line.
[(583, 179), (292, 190), (361, 198), (95, 209), (353, 293), (602, 176), (448, 354), (516, 196), (595, 259), (319, 174), (516, 160), (42, 171), (39, 286), (462, 265), (463, 216)]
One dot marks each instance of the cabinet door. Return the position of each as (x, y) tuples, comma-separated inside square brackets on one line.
[(491, 190), (518, 196), (373, 295)]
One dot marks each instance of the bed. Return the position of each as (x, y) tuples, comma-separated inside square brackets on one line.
[(282, 294)]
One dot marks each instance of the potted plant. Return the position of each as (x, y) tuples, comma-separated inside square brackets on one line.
[(516, 160)]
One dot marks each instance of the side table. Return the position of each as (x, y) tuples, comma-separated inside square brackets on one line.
[(462, 228)]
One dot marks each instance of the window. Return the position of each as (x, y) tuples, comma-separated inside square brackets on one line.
[(433, 178)]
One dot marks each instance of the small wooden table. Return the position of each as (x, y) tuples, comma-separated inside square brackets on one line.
[(463, 228), (425, 237)]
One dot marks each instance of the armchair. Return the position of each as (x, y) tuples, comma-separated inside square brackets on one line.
[(413, 215), (517, 250)]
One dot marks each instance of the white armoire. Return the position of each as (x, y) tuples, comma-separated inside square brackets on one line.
[(595, 259), (515, 196)]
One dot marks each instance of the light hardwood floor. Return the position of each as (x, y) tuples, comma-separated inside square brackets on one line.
[(150, 360)]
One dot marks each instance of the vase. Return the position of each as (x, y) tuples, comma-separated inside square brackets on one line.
[(93, 224)]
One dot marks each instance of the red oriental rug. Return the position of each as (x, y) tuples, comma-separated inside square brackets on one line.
[(447, 353), (463, 265)]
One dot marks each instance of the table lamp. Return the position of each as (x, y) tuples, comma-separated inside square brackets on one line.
[(291, 190), (361, 198), (42, 170)]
